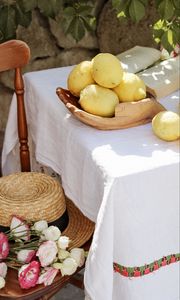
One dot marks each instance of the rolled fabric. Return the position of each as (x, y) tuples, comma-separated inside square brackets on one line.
[(163, 78), (138, 58)]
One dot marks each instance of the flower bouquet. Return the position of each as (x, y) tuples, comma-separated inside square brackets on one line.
[(38, 251)]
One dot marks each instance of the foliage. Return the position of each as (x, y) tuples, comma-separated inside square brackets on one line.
[(77, 17), (166, 30)]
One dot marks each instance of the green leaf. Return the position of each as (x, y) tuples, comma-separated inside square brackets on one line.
[(84, 10), (119, 4), (8, 22), (69, 12), (177, 12), (65, 23), (176, 4), (170, 37), (136, 10), (89, 23), (23, 18), (29, 5), (157, 2), (157, 34), (49, 8), (76, 29), (166, 9), (159, 24), (145, 2), (176, 33), (166, 41)]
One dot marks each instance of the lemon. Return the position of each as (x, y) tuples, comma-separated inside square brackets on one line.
[(131, 88), (80, 77), (98, 100), (107, 70), (166, 125)]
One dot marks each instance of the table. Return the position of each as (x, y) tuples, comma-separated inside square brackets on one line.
[(127, 181)]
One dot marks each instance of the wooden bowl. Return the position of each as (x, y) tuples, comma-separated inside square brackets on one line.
[(127, 114)]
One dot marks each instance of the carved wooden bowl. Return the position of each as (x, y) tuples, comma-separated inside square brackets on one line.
[(127, 114)]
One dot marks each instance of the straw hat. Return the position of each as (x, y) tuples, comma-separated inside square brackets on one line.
[(36, 196)]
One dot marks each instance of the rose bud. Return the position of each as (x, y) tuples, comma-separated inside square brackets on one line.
[(69, 266), (78, 255), (47, 253), (40, 225), (57, 265), (3, 269), (62, 254), (28, 275), (48, 276), (25, 255), (19, 228), (4, 246), (63, 242), (52, 233), (2, 282)]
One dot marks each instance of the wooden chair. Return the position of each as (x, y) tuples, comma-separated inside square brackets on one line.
[(15, 54)]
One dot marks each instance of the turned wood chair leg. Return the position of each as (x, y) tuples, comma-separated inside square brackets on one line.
[(22, 123)]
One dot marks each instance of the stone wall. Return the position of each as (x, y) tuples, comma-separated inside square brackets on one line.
[(51, 48)]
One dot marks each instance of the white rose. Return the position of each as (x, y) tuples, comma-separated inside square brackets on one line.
[(69, 266), (63, 242), (52, 233), (3, 269), (47, 253), (62, 254), (79, 256), (2, 282), (40, 225)]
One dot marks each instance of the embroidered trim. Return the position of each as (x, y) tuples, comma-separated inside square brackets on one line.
[(147, 268)]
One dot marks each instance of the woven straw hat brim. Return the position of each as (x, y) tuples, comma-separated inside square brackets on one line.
[(80, 228), (36, 196), (33, 196)]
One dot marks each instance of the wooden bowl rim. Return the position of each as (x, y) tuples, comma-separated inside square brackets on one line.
[(98, 122)]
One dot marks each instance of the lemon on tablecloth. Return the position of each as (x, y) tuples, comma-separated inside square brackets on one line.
[(166, 125)]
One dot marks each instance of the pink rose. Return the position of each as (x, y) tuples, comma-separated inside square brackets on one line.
[(25, 256), (4, 246), (48, 276), (47, 253), (28, 275)]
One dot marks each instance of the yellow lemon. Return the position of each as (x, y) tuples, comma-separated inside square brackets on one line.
[(107, 70), (98, 100), (166, 125), (131, 88), (80, 77)]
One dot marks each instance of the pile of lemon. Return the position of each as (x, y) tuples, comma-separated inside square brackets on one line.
[(102, 83)]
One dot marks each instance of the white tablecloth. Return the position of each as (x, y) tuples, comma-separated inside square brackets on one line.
[(125, 180)]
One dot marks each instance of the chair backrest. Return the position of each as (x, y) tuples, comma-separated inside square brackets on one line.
[(15, 54)]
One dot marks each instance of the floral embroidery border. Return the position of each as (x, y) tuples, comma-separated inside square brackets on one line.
[(147, 268)]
